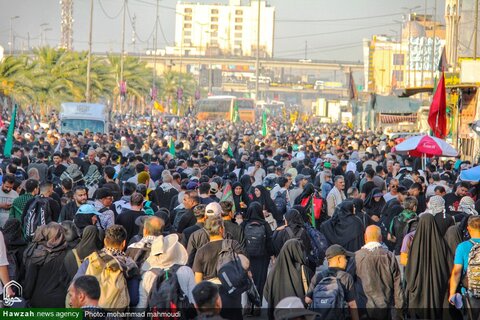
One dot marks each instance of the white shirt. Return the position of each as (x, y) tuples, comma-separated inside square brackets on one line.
[(259, 175)]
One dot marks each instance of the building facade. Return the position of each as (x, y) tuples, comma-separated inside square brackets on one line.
[(223, 29)]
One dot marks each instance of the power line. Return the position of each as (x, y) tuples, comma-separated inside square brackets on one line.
[(344, 19), (322, 47), (334, 32), (136, 33), (107, 15)]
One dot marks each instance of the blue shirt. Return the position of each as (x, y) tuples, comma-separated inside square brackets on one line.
[(461, 254)]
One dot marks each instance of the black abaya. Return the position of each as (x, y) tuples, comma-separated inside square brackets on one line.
[(427, 271)]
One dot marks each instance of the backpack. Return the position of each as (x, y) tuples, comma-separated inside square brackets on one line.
[(139, 254), (166, 293), (36, 216), (329, 298), (92, 177), (281, 202), (73, 173), (319, 244), (255, 239), (113, 285), (233, 277), (473, 269), (147, 208)]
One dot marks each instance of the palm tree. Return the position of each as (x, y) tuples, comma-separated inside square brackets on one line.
[(137, 76), (15, 80), (170, 82)]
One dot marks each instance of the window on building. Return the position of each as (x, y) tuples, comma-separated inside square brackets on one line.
[(187, 33), (214, 27), (214, 42), (187, 10), (187, 41), (238, 42), (398, 74), (214, 19), (214, 11), (398, 59), (238, 20), (214, 34), (238, 34), (188, 18), (238, 27), (187, 26), (238, 12)]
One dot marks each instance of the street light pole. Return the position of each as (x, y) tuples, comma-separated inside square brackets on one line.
[(122, 53), (12, 43), (89, 56), (257, 61)]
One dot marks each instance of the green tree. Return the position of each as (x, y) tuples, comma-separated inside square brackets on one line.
[(170, 81), (15, 80)]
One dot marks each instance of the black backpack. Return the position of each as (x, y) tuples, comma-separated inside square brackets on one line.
[(255, 239), (329, 297), (139, 254), (281, 202), (166, 293), (36, 216), (233, 277)]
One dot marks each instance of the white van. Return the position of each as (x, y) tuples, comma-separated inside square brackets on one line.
[(76, 117)]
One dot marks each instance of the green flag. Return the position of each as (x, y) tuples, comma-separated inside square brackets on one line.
[(264, 123), (235, 115), (7, 151), (312, 212), (172, 147), (229, 151)]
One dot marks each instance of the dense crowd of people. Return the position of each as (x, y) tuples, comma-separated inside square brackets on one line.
[(214, 220)]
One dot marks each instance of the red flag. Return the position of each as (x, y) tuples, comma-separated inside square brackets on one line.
[(437, 116)]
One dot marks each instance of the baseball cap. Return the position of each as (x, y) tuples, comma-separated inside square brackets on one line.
[(87, 209), (213, 187), (300, 177), (213, 209), (336, 250)]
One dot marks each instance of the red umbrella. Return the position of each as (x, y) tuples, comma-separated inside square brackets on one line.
[(428, 146)]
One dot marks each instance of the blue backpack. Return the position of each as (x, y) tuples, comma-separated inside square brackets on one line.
[(319, 244), (329, 298)]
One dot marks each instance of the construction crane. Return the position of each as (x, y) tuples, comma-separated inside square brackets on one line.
[(67, 24)]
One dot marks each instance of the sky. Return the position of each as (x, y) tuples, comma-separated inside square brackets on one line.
[(332, 29)]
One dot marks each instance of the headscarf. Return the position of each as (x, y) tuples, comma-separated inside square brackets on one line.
[(285, 279), (266, 201), (71, 233), (427, 271), (308, 190), (58, 147), (344, 228), (90, 242), (467, 205), (246, 182), (294, 220), (436, 205), (254, 212), (373, 207), (242, 197), (12, 234), (51, 243), (302, 211)]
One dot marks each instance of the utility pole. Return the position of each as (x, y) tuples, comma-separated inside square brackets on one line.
[(134, 33), (122, 53), (306, 48), (433, 42), (89, 56), (12, 37), (155, 50), (423, 47), (475, 31), (257, 61)]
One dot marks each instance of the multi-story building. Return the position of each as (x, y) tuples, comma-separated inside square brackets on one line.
[(220, 29), (407, 61)]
